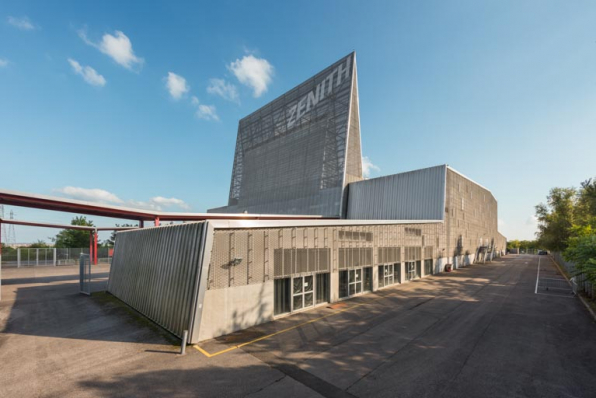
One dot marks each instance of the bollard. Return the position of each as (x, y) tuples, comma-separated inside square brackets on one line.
[(183, 346)]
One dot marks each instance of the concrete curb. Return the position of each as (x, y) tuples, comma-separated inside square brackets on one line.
[(583, 300)]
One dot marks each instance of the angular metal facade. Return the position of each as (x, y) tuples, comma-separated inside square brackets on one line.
[(415, 195), (156, 271), (296, 154)]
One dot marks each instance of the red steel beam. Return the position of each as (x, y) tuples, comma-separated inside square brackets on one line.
[(63, 226)]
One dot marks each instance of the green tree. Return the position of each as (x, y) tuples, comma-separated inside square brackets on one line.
[(74, 238), (40, 244), (582, 252), (556, 218), (513, 244)]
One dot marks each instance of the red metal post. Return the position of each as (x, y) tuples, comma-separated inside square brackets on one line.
[(142, 224), (156, 221), (90, 246), (95, 247)]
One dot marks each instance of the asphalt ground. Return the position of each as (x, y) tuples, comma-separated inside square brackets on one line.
[(480, 331)]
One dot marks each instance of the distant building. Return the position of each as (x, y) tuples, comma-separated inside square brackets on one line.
[(301, 155)]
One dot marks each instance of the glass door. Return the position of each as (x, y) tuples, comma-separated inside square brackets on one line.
[(410, 270), (302, 292), (388, 275), (355, 285)]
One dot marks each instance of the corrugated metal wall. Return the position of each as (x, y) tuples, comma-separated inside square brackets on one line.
[(415, 195), (156, 270)]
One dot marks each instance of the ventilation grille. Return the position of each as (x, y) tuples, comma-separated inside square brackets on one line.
[(389, 255), (288, 262), (413, 253), (355, 257)]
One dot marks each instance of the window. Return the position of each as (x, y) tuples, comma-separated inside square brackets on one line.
[(368, 279), (343, 284), (412, 270), (302, 292), (323, 288), (389, 274), (355, 281), (281, 293), (428, 267), (355, 285)]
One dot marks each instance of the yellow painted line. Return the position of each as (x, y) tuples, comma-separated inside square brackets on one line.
[(208, 355)]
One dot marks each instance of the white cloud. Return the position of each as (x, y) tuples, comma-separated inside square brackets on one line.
[(88, 73), (368, 167), (501, 222), (176, 85), (23, 23), (117, 46), (3, 62), (253, 72), (206, 112), (91, 195), (224, 89), (102, 196), (169, 202), (158, 203)]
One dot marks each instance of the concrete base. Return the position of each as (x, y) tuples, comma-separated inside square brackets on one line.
[(236, 308)]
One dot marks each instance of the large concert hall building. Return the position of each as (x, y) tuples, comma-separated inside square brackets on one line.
[(299, 157)]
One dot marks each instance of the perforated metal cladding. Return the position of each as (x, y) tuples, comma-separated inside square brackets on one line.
[(389, 255), (299, 261), (155, 271), (355, 257), (268, 253), (413, 253), (428, 252), (290, 155)]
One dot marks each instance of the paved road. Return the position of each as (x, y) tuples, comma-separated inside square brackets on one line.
[(476, 332)]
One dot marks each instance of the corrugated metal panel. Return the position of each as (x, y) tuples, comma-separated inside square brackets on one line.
[(155, 271), (415, 195)]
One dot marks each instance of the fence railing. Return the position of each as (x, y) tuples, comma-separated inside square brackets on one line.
[(26, 257), (578, 282)]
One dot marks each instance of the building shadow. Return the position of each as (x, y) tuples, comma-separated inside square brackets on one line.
[(59, 310)]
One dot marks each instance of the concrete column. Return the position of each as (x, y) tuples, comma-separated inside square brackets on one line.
[(334, 286), (375, 275)]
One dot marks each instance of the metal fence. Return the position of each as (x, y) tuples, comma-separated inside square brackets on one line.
[(578, 282), (26, 257)]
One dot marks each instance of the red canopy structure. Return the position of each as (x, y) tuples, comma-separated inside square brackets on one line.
[(53, 203)]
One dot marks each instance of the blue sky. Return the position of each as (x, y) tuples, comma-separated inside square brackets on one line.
[(121, 98)]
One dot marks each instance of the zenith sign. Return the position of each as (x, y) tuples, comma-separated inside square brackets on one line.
[(310, 100)]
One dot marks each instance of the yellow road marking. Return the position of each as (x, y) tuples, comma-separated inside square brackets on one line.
[(208, 355)]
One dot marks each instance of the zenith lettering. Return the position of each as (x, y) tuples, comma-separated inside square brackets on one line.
[(310, 100)]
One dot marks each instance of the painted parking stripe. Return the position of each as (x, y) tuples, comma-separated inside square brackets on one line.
[(537, 276)]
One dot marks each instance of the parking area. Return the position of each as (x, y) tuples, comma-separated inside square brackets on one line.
[(478, 331)]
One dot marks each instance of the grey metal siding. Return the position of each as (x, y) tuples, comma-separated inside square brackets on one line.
[(415, 195), (156, 271)]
